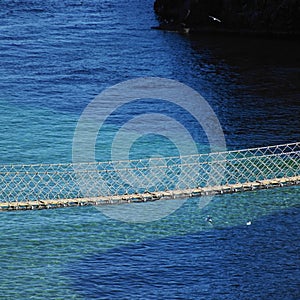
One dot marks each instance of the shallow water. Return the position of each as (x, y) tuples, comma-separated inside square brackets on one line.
[(55, 58), (78, 253)]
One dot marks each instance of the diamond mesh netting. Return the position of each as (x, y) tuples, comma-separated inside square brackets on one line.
[(19, 183)]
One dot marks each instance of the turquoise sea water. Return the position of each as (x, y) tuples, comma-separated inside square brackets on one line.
[(55, 58), (77, 253)]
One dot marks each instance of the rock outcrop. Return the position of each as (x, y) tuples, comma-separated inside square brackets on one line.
[(243, 16)]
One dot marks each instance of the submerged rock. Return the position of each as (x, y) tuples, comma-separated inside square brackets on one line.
[(244, 16)]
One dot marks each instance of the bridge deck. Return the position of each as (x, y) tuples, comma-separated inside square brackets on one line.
[(135, 198)]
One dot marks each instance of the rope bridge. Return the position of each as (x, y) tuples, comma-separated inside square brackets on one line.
[(57, 185)]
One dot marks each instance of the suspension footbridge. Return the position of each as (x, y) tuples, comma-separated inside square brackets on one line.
[(44, 186)]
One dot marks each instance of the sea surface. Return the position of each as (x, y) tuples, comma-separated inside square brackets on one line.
[(55, 58)]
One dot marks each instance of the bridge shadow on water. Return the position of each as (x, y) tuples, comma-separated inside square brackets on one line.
[(243, 262)]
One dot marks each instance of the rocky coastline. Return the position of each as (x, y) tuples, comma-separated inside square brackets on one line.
[(255, 17)]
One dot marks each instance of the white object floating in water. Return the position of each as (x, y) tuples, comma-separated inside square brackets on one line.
[(248, 223), (209, 219)]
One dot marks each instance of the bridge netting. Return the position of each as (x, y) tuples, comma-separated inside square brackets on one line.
[(19, 183)]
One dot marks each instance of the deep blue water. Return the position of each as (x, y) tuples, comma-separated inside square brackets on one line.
[(240, 264), (56, 56)]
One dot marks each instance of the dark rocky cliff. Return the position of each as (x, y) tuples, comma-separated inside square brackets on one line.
[(244, 16)]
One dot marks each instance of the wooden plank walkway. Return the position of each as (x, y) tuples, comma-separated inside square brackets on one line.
[(135, 198)]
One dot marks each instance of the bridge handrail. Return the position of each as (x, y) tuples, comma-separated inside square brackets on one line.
[(21, 182)]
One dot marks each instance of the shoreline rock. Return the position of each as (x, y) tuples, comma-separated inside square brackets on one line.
[(246, 17)]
